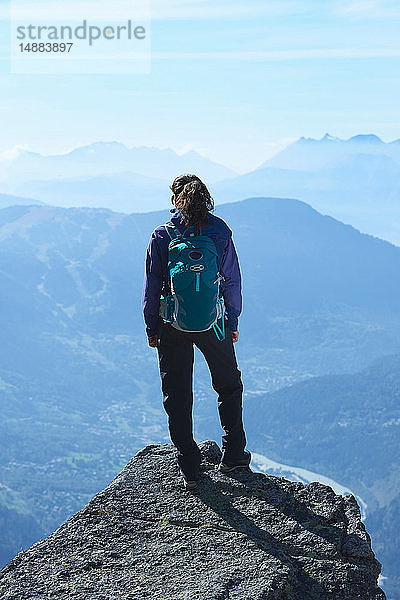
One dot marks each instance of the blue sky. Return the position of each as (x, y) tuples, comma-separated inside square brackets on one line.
[(234, 80)]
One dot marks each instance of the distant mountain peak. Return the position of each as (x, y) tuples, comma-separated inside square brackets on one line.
[(330, 138), (23, 168), (192, 153), (365, 138), (13, 153), (326, 138), (95, 146)]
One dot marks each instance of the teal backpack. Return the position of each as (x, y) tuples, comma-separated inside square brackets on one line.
[(192, 300)]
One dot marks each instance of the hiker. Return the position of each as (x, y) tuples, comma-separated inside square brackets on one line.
[(192, 295)]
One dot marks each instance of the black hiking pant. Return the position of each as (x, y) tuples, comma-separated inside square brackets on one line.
[(176, 358)]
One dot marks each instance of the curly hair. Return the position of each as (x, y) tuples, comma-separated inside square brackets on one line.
[(192, 198)]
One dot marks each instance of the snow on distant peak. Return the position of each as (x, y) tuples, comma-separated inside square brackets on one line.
[(363, 138), (13, 153), (330, 138), (326, 138)]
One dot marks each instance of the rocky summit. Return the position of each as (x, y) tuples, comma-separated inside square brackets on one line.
[(245, 536)]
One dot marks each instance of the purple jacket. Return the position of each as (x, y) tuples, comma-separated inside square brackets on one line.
[(156, 270)]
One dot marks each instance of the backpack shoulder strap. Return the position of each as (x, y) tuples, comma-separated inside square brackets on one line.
[(172, 230)]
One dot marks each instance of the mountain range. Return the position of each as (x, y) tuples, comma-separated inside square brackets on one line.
[(105, 158), (354, 180), (309, 154), (9, 200)]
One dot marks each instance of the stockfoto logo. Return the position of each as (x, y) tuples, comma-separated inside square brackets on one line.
[(83, 32), (63, 38)]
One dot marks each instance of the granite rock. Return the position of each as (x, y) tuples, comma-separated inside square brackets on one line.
[(246, 536)]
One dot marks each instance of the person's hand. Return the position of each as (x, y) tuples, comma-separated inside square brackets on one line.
[(235, 336), (152, 340)]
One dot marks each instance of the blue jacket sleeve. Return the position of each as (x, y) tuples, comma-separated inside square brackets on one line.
[(231, 287), (152, 286)]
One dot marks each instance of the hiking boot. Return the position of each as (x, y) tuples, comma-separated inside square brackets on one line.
[(190, 483), (231, 464)]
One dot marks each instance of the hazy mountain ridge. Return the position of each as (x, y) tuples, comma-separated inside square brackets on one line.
[(354, 180), (100, 158), (357, 187), (10, 200), (124, 192), (310, 154)]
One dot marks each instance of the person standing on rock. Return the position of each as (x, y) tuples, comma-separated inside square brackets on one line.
[(192, 295)]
